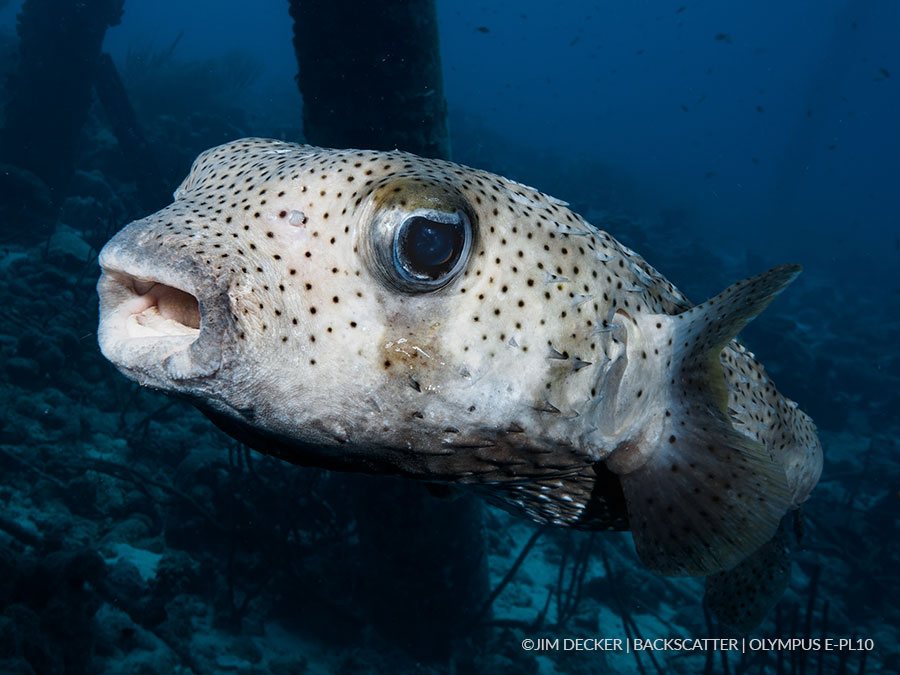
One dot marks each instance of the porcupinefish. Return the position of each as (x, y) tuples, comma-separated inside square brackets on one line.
[(384, 313)]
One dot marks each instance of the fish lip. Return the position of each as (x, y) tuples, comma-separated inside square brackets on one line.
[(162, 326)]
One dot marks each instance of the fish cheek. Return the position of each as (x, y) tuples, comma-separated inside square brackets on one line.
[(412, 357)]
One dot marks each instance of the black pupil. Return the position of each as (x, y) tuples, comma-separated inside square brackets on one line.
[(430, 248)]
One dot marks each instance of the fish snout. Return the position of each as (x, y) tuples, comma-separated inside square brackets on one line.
[(160, 326)]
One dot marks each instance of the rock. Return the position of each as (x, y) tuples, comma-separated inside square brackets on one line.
[(69, 249), (125, 581), (25, 200), (144, 563), (231, 662), (24, 372), (15, 666), (246, 649), (23, 642), (132, 530), (288, 666), (178, 573), (91, 184), (80, 496)]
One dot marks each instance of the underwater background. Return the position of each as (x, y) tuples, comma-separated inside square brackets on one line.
[(715, 139)]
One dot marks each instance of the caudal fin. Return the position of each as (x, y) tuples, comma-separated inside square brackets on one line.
[(704, 496), (742, 596)]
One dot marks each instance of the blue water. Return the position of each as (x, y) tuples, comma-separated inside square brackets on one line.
[(716, 139)]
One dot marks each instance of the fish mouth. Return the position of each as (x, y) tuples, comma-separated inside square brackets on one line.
[(156, 325), (154, 310)]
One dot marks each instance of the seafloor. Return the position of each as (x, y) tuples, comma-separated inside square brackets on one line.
[(135, 538)]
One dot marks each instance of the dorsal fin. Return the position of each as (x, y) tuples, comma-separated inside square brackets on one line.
[(700, 495)]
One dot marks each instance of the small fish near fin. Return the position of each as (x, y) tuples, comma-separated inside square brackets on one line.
[(701, 496), (742, 596)]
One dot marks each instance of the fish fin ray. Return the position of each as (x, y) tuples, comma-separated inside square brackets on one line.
[(742, 596), (700, 495), (705, 502), (709, 327)]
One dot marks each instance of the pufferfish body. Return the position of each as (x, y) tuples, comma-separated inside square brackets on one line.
[(384, 313)]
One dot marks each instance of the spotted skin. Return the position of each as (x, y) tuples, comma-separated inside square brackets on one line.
[(534, 373)]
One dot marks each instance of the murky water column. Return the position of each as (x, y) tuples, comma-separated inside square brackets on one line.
[(50, 89), (370, 76)]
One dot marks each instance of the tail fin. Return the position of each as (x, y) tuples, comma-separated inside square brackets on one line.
[(705, 496), (742, 596)]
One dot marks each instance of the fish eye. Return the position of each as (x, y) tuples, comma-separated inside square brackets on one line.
[(428, 246), (416, 235)]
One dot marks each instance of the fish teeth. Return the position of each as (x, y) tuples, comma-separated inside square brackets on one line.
[(555, 278)]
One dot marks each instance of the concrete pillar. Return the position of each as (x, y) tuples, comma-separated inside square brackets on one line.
[(370, 76), (50, 88)]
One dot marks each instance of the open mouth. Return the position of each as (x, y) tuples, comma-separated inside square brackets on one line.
[(155, 331), (146, 308), (160, 311)]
